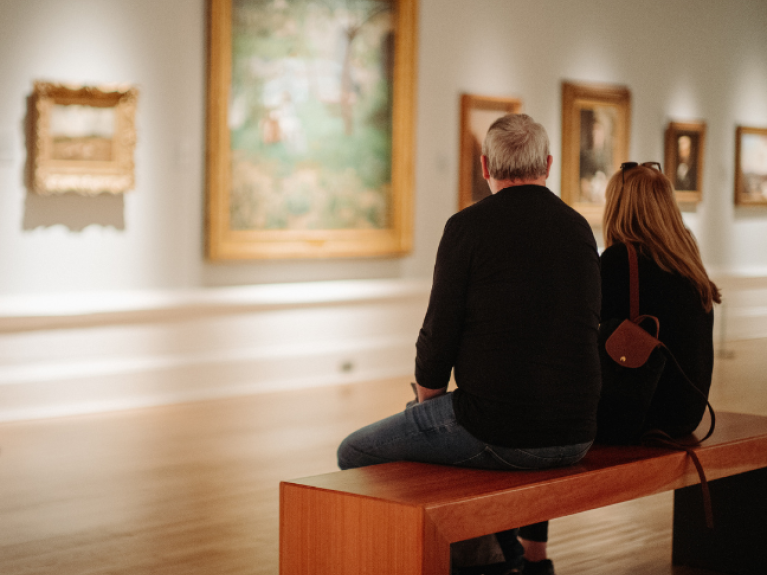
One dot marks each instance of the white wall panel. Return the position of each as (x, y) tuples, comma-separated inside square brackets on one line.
[(168, 347)]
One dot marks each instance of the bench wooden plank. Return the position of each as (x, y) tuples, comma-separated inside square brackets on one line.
[(350, 532), (438, 505)]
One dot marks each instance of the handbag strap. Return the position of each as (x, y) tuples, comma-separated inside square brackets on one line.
[(662, 439), (657, 436), (633, 283)]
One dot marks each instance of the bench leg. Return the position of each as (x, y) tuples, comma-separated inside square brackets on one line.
[(325, 532), (738, 542)]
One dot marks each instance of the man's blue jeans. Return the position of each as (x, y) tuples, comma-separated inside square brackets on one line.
[(428, 432)]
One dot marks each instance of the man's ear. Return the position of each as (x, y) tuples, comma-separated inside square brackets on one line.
[(485, 171), (549, 162)]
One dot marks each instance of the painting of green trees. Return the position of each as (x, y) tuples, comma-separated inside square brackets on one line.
[(310, 114)]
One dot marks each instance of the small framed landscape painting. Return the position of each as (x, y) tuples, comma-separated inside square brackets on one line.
[(83, 138)]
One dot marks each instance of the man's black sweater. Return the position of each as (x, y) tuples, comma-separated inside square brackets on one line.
[(514, 310)]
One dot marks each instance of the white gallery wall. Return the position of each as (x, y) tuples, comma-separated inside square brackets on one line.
[(97, 288)]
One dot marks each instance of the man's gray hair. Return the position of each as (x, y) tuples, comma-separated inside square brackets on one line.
[(517, 148)]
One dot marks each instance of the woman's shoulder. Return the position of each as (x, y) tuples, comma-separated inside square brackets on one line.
[(615, 254)]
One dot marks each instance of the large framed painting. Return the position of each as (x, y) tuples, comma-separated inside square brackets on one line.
[(596, 123), (477, 114), (683, 162), (310, 128), (83, 138), (751, 166)]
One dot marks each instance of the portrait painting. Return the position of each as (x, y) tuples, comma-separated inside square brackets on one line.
[(595, 136), (751, 166), (310, 128), (595, 160), (477, 115), (83, 138), (683, 159)]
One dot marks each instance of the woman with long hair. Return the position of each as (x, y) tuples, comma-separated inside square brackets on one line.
[(673, 286)]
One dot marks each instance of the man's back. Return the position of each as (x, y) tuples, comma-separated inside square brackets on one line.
[(515, 308)]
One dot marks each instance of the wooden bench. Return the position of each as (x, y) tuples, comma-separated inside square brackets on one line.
[(400, 518)]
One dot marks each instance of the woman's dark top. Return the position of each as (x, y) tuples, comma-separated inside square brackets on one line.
[(685, 328), (514, 309)]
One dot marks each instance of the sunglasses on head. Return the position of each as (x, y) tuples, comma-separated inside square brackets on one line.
[(625, 166)]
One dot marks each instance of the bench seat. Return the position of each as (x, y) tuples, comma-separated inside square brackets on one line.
[(400, 518)]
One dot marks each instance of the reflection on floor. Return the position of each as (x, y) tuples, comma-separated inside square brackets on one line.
[(192, 489)]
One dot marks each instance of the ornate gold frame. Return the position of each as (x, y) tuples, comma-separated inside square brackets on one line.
[(469, 159), (674, 131), (742, 197), (111, 171), (575, 98), (224, 243)]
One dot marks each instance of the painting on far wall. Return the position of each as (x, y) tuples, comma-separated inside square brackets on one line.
[(751, 166), (310, 128), (596, 122), (83, 138), (683, 162), (477, 114)]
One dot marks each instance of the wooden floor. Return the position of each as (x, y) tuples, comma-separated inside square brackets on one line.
[(192, 489)]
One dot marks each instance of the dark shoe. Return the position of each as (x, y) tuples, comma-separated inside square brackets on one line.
[(512, 549), (545, 567)]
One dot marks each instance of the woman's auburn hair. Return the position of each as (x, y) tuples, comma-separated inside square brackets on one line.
[(643, 212)]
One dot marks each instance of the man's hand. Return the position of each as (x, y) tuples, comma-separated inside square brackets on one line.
[(425, 394)]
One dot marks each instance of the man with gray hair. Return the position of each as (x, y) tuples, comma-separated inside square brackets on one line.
[(513, 314)]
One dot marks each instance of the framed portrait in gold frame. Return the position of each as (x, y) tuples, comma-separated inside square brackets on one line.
[(596, 123), (683, 161), (82, 138), (477, 114), (751, 166), (310, 121)]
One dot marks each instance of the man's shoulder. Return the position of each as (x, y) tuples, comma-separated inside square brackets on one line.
[(535, 195), (519, 202), (556, 207), (523, 196), (473, 212)]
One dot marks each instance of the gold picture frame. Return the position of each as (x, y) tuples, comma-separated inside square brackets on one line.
[(685, 144), (83, 138), (477, 114), (751, 166), (596, 124), (237, 223)]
